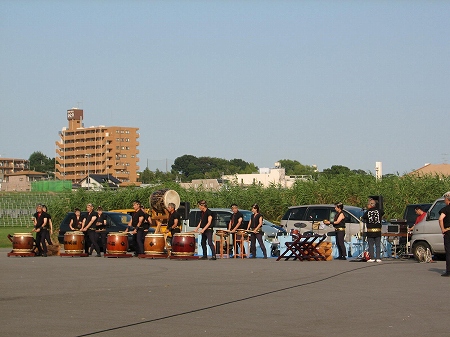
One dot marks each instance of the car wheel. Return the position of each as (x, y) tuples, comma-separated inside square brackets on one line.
[(422, 251)]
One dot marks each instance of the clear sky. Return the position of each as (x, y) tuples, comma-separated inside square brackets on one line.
[(322, 82)]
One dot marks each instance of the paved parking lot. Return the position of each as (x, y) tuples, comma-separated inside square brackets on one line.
[(65, 296)]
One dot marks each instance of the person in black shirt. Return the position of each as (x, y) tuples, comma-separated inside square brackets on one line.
[(206, 225), (137, 220), (255, 225), (76, 222), (174, 222), (236, 222), (372, 217), (40, 221), (89, 224), (49, 227), (101, 227), (444, 223), (339, 226)]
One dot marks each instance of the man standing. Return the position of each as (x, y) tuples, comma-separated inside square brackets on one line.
[(372, 218), (89, 227), (137, 220), (40, 221), (206, 225), (236, 221), (255, 225), (444, 223), (173, 224)]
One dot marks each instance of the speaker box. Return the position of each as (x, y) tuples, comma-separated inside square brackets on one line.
[(184, 210)]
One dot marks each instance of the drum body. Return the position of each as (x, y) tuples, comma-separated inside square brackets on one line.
[(22, 243), (242, 233), (154, 244), (222, 233), (159, 200), (183, 244), (74, 242), (117, 243)]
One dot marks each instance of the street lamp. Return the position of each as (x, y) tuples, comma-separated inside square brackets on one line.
[(88, 156)]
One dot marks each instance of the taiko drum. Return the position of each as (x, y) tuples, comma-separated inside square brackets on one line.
[(159, 200), (117, 243), (74, 242), (154, 244), (183, 244), (22, 243)]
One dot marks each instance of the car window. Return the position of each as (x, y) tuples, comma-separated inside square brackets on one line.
[(297, 213), (194, 218), (118, 219), (317, 214), (222, 219), (434, 212)]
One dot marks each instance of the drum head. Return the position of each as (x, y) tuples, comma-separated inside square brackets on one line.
[(172, 196)]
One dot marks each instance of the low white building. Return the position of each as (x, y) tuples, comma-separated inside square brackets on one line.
[(265, 177)]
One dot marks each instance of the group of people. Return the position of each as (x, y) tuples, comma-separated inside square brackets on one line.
[(254, 228)]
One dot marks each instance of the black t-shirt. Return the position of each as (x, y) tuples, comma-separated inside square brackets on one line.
[(48, 216), (372, 217), (39, 219), (77, 222), (135, 218), (88, 219), (235, 218), (172, 217), (446, 211), (254, 221), (204, 220), (101, 221), (340, 224)]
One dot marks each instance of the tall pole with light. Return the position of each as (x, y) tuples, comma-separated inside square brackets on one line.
[(88, 156)]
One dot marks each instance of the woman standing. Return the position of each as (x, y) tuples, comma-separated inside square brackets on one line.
[(101, 227), (255, 225), (339, 226)]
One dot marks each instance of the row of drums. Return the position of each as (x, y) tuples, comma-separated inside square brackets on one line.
[(183, 244)]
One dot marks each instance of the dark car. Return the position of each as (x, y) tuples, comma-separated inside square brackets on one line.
[(115, 222)]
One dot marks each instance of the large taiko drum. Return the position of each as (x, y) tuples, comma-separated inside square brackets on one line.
[(159, 200), (74, 242), (22, 243), (183, 244), (154, 244), (117, 243)]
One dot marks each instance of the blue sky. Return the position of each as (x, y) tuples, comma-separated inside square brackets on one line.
[(322, 82)]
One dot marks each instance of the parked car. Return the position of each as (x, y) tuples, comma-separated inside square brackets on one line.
[(115, 222), (222, 219), (427, 233), (309, 218), (410, 215)]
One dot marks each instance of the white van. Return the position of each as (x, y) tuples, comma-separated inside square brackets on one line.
[(427, 234)]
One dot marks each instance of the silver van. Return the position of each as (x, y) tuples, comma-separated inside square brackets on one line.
[(427, 234)]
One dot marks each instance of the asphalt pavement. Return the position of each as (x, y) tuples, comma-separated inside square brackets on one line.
[(91, 296)]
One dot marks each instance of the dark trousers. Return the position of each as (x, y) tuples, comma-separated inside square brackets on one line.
[(38, 242), (103, 236), (207, 235), (374, 241), (253, 239), (93, 237), (140, 237), (44, 234), (447, 251), (87, 241), (340, 235)]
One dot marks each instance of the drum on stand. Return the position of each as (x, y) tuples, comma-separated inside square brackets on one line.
[(242, 232), (74, 242), (154, 244), (223, 233), (159, 200), (117, 243), (22, 243), (183, 244)]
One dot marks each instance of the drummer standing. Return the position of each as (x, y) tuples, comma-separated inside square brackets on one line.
[(40, 220), (76, 221), (339, 226), (101, 227), (173, 224), (255, 225), (206, 225), (89, 224), (236, 222), (137, 220)]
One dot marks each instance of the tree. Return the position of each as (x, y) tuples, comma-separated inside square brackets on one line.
[(293, 167), (337, 169), (41, 163)]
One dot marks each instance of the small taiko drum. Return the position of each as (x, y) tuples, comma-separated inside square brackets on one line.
[(159, 200), (154, 244), (117, 243), (295, 233), (22, 242), (74, 242), (223, 233), (183, 244)]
